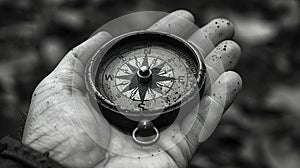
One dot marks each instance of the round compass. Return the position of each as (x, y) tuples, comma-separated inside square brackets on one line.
[(142, 79)]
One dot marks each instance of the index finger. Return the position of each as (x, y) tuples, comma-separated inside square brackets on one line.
[(180, 22), (210, 35)]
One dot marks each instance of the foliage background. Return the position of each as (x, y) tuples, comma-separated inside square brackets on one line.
[(260, 130)]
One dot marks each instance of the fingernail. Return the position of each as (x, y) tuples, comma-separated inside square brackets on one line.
[(234, 84)]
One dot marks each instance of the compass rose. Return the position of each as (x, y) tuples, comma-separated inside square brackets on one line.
[(147, 81)]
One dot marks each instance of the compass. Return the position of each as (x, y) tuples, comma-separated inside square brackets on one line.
[(142, 80)]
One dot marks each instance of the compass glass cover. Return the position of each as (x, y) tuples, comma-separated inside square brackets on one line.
[(147, 75)]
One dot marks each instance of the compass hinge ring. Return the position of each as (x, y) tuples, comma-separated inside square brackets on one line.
[(149, 134)]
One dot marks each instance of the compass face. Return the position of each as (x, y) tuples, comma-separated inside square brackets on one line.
[(146, 75)]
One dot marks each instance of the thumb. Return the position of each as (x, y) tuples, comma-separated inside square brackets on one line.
[(70, 70)]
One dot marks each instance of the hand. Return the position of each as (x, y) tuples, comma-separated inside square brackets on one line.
[(52, 124)]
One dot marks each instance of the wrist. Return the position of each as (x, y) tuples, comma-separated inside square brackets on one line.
[(18, 152)]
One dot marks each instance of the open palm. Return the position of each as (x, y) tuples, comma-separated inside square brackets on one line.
[(62, 120)]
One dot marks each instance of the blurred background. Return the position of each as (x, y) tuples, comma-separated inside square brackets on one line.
[(260, 130)]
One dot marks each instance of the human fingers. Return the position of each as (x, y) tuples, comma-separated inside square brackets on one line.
[(200, 123), (207, 37), (180, 22), (223, 58)]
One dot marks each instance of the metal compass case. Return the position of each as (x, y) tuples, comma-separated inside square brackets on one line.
[(144, 80)]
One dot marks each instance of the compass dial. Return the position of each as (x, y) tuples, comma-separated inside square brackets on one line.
[(146, 75), (142, 80)]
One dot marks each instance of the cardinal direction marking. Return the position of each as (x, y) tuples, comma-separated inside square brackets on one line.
[(181, 79), (147, 51), (108, 77), (142, 106)]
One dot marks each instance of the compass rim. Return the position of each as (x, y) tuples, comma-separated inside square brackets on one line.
[(108, 104)]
